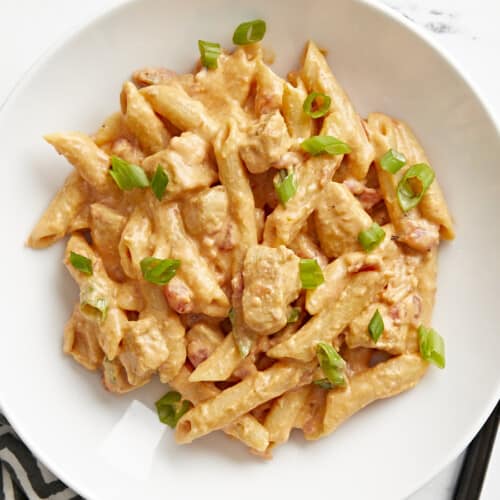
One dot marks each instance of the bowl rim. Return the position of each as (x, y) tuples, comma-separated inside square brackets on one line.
[(376, 5)]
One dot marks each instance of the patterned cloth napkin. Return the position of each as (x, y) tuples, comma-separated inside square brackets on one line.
[(22, 476)]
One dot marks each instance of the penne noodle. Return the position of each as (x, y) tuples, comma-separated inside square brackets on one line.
[(285, 222), (330, 322), (412, 227), (172, 330), (142, 121), (246, 428), (184, 112), (318, 77), (220, 365), (382, 381), (106, 227), (89, 161), (80, 340), (299, 124), (208, 297), (135, 242), (269, 93), (59, 215), (218, 412), (281, 418)]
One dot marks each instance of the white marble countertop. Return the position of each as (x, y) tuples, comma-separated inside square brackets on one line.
[(467, 29)]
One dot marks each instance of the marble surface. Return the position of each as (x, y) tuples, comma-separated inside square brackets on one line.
[(467, 29)]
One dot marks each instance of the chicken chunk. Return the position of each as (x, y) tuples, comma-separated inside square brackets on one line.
[(271, 282), (267, 142)]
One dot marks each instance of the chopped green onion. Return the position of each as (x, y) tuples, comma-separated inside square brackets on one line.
[(321, 110), (159, 271), (209, 53), (286, 187), (371, 238), (127, 175), (294, 315), (81, 263), (249, 32), (93, 300), (242, 337), (231, 316), (331, 363), (409, 198), (319, 144), (159, 182), (170, 408), (392, 161), (376, 326), (431, 346), (311, 275), (324, 383)]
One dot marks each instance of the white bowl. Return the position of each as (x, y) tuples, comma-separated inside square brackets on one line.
[(387, 450)]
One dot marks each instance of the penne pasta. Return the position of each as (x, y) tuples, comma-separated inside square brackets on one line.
[(285, 222), (318, 77), (142, 121), (89, 161), (59, 215), (234, 402), (184, 112), (246, 428), (222, 233), (220, 364), (281, 418), (382, 381), (330, 322)]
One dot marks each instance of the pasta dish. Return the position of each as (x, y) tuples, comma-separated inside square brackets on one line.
[(254, 243)]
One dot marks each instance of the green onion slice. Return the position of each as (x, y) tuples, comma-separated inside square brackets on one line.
[(231, 316), (159, 182), (293, 315), (159, 271), (81, 263), (243, 339), (209, 53), (93, 300), (321, 110), (376, 326), (249, 32), (324, 383), (311, 275), (371, 238), (408, 197), (170, 408), (392, 161), (331, 363), (319, 144), (286, 187), (431, 346), (127, 175)]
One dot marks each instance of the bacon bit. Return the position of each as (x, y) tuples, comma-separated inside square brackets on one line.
[(262, 410), (152, 76), (179, 296), (368, 197), (245, 369), (229, 240), (197, 354), (422, 236), (417, 306), (394, 312)]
